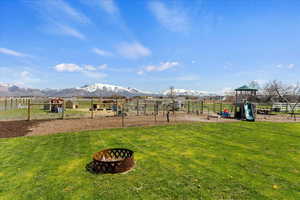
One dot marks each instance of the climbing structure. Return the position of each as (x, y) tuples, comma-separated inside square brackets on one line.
[(244, 108)]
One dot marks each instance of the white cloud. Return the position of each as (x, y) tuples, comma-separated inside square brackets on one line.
[(59, 17), (12, 52), (67, 30), (260, 82), (173, 18), (71, 12), (59, 10), (101, 52), (162, 67), (104, 66), (89, 68), (67, 67), (24, 74), (26, 77), (284, 66), (109, 6), (133, 50), (291, 66), (140, 72)]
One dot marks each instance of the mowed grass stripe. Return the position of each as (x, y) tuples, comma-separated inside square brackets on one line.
[(193, 161)]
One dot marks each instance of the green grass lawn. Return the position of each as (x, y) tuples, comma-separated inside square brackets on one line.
[(193, 161), (39, 113)]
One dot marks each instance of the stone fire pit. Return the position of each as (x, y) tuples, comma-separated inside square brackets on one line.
[(114, 160)]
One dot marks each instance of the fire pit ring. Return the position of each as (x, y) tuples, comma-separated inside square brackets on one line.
[(115, 160)]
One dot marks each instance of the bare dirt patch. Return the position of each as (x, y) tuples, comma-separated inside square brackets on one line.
[(15, 128), (75, 125), (46, 127)]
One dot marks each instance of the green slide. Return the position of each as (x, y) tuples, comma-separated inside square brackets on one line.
[(249, 112)]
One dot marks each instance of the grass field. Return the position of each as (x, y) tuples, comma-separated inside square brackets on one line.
[(39, 113), (193, 161)]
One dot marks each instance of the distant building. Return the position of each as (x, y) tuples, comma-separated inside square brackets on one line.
[(72, 104)]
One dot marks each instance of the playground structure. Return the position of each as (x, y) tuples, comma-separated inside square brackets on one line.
[(108, 106), (56, 105), (244, 108)]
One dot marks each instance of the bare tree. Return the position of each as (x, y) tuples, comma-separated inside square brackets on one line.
[(229, 96), (254, 84), (290, 94)]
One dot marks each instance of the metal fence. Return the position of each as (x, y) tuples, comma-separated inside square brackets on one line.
[(92, 108), (42, 108)]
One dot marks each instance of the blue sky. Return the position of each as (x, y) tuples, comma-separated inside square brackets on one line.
[(149, 44)]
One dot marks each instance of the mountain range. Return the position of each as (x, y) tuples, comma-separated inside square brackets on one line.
[(97, 89)]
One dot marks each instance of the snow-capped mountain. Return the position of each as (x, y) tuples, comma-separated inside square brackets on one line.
[(97, 89), (108, 88), (184, 92)]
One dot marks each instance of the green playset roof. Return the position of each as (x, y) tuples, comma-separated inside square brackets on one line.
[(245, 88)]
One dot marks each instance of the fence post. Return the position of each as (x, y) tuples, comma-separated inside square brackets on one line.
[(208, 112), (145, 107), (202, 106), (137, 107), (168, 116), (123, 116), (155, 111), (11, 103), (5, 104), (117, 107), (221, 107), (92, 108), (63, 110), (28, 110)]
